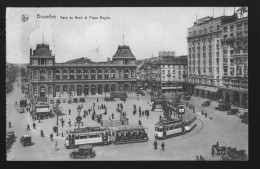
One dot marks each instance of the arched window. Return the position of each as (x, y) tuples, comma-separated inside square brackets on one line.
[(93, 74), (126, 74), (49, 74), (86, 74), (35, 74), (57, 74), (99, 74), (42, 74), (132, 74), (106, 74), (65, 74), (120, 73), (79, 74), (113, 74), (72, 74)]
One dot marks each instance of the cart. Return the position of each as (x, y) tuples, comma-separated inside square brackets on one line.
[(26, 139)]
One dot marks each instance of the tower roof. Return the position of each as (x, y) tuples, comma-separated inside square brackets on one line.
[(123, 52), (42, 50)]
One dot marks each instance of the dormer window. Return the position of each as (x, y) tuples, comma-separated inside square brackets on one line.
[(125, 53)]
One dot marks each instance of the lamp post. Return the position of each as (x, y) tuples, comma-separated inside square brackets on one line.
[(79, 118)]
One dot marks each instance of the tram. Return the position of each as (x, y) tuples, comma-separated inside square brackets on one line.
[(129, 134), (169, 128), (88, 135), (172, 127), (181, 108), (190, 122)]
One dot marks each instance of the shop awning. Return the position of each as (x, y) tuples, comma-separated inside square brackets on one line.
[(207, 88), (42, 110)]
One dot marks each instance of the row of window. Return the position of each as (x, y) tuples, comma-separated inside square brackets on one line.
[(86, 74), (239, 27), (201, 31)]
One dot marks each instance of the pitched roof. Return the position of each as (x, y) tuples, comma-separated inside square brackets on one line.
[(42, 50), (123, 51)]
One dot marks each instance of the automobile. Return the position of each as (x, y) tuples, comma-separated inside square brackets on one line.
[(10, 135), (20, 110), (245, 115), (26, 139), (75, 100), (84, 151), (206, 103), (187, 97), (223, 107), (58, 101), (233, 112), (82, 100)]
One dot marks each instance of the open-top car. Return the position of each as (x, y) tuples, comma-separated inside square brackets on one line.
[(26, 139), (84, 151), (233, 112)]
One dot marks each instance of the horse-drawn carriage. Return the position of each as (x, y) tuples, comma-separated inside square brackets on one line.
[(233, 154)]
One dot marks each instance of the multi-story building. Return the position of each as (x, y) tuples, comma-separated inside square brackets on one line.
[(235, 60), (204, 56), (172, 72), (80, 77), (217, 59)]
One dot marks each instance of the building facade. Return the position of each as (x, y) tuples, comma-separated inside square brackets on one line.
[(172, 72), (217, 59), (80, 77)]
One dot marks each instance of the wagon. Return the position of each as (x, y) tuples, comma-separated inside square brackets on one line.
[(84, 151), (75, 100), (82, 100), (233, 154)]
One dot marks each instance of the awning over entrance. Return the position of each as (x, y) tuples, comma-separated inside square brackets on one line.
[(207, 88)]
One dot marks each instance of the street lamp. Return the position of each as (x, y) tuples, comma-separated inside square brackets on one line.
[(79, 118)]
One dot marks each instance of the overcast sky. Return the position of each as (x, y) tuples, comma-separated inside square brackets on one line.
[(145, 30)]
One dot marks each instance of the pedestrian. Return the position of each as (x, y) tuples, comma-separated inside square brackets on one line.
[(162, 145), (140, 123), (39, 119), (205, 115), (202, 112), (69, 123), (155, 145), (217, 144), (148, 113), (28, 127), (97, 100), (34, 125), (69, 111), (56, 145), (140, 115), (160, 118), (112, 116), (212, 151), (10, 124), (51, 136)]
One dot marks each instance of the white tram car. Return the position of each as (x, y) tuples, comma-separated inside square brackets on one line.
[(173, 127), (190, 122)]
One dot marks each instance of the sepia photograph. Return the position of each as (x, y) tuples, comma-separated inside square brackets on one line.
[(127, 84)]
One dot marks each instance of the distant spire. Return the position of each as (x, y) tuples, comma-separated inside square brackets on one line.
[(123, 39)]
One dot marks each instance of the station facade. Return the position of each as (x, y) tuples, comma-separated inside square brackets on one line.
[(80, 77)]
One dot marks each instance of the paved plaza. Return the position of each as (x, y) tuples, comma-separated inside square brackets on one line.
[(226, 129)]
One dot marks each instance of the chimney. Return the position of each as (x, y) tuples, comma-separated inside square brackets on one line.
[(30, 51)]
